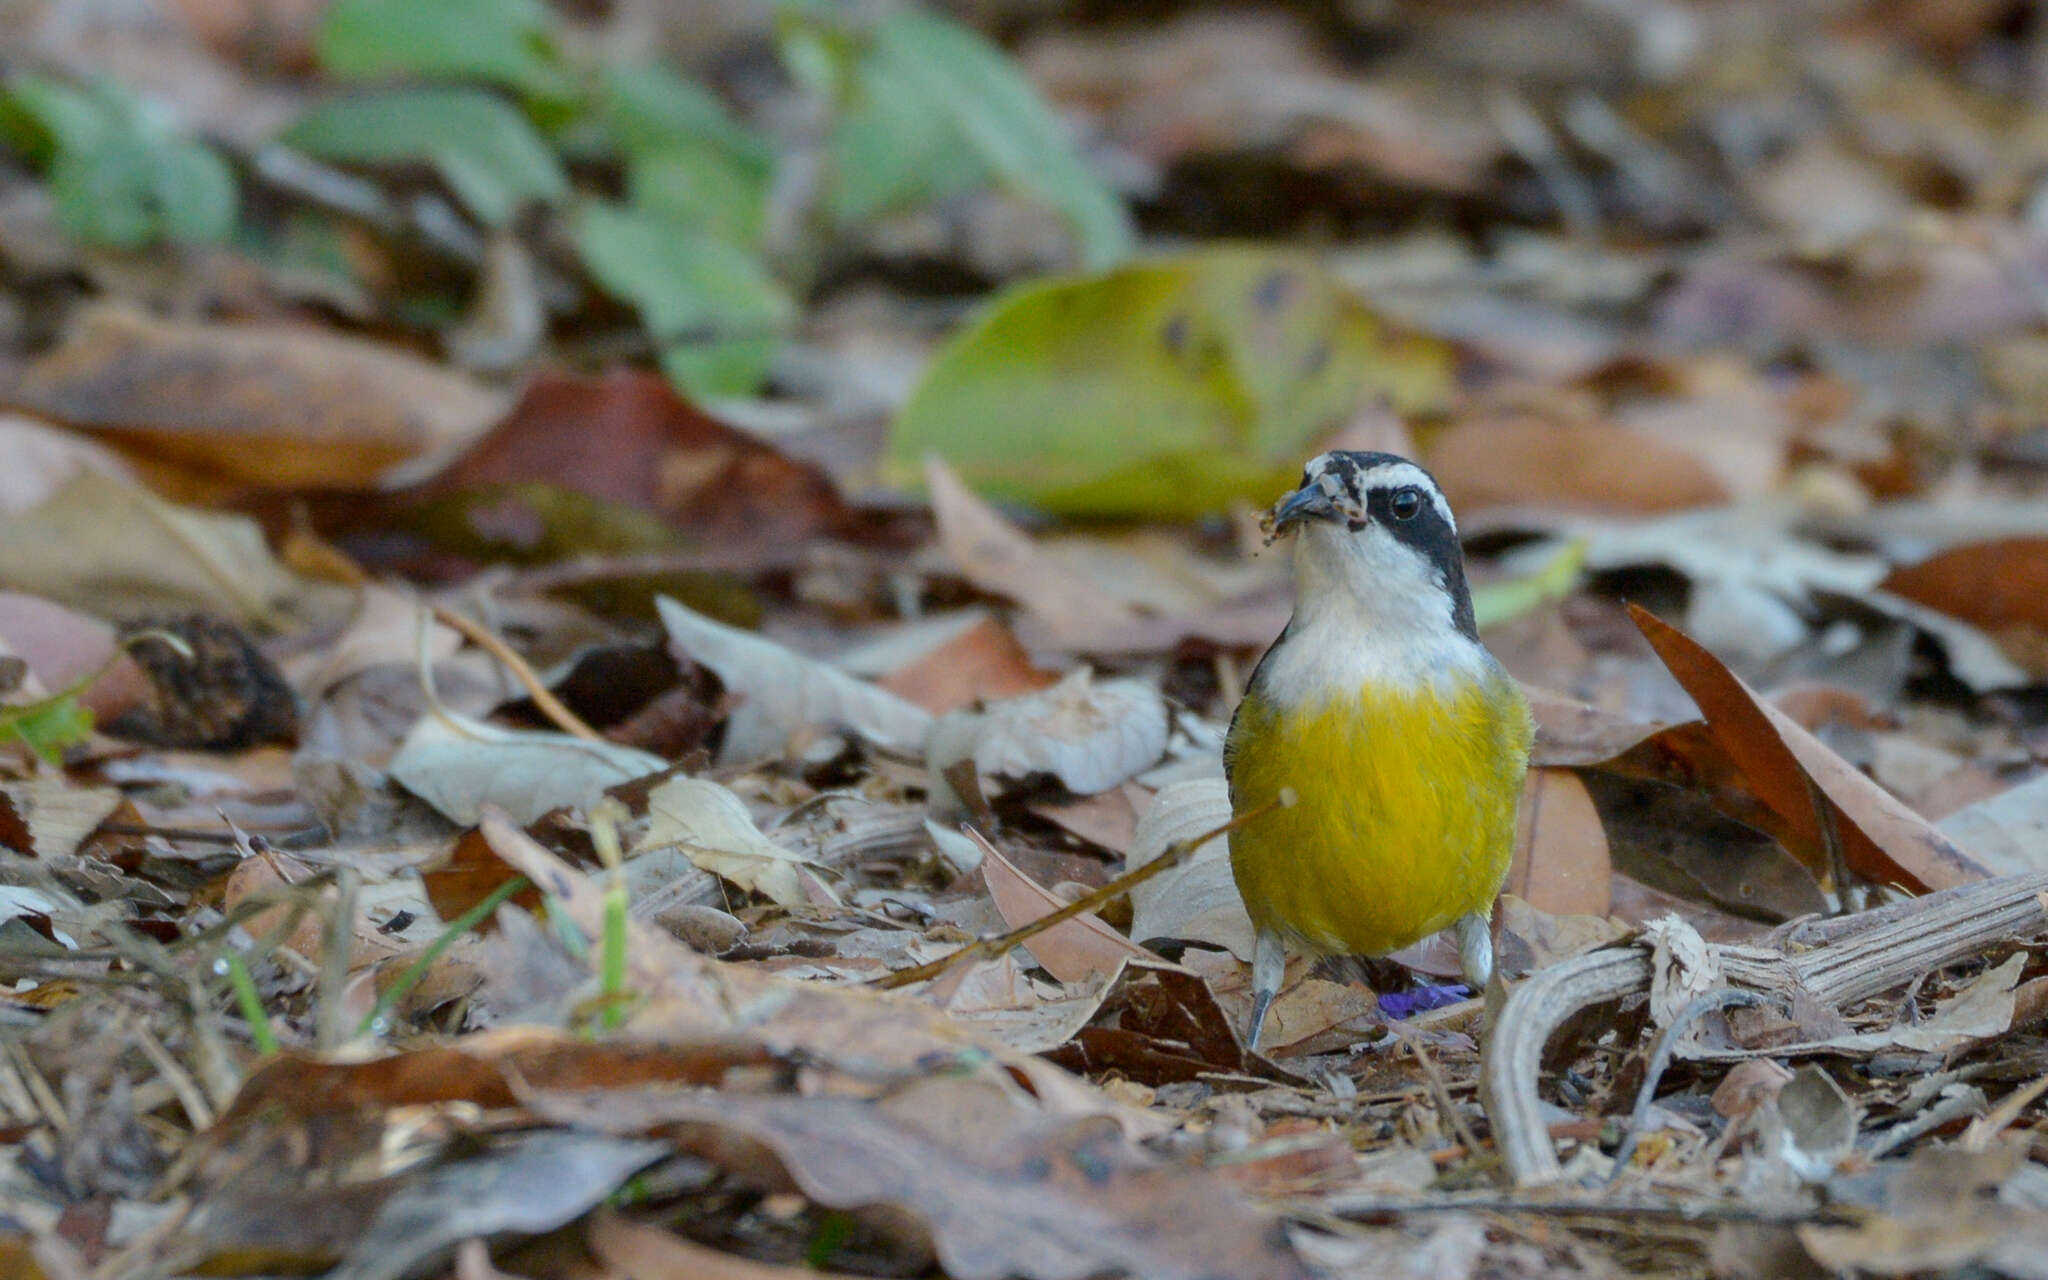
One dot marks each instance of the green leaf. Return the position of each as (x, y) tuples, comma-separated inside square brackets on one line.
[(1496, 602), (483, 149), (653, 110), (702, 189), (69, 117), (1166, 388), (893, 148), (688, 161), (716, 313), (506, 42), (47, 726), (962, 78), (120, 176)]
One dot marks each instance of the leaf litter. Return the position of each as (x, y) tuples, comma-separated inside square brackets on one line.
[(832, 548)]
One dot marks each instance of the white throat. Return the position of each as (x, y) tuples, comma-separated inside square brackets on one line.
[(1368, 612)]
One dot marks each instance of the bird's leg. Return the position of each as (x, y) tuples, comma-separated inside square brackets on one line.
[(1475, 949), (1269, 965)]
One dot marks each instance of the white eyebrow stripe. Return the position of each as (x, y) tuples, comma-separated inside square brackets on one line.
[(1389, 475)]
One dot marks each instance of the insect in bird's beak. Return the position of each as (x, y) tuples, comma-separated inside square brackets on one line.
[(1313, 501)]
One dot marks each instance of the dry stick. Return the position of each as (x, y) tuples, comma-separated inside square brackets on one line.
[(479, 635), (990, 948), (1851, 958), (1830, 839), (1660, 1062), (1439, 1092), (549, 705)]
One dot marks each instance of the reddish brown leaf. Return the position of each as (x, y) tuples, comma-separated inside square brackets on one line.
[(1561, 863), (1071, 950), (1584, 465), (642, 1252), (1571, 732), (1004, 1188), (628, 438), (1881, 838), (1996, 585), (265, 405), (1000, 558), (983, 662)]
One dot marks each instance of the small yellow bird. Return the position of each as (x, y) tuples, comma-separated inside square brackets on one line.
[(1402, 740)]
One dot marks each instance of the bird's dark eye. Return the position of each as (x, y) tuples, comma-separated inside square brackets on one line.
[(1406, 504)]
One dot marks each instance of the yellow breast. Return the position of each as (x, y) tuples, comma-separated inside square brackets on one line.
[(1404, 817)]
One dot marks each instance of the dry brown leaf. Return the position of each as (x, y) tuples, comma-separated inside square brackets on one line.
[(207, 405), (109, 548), (41, 458), (1003, 1188), (1090, 734), (782, 693), (1108, 820), (1157, 1023), (628, 438), (638, 1251), (1881, 838), (1560, 864), (48, 817), (983, 662), (1072, 950), (1996, 585), (1488, 462), (1001, 559), (1571, 732), (63, 646)]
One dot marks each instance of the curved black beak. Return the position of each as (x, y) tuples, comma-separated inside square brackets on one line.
[(1309, 502)]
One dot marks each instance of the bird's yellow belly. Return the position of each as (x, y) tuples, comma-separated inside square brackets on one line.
[(1404, 816)]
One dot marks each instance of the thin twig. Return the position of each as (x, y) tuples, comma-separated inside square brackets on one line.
[(550, 706), (1830, 840), (1361, 1205), (991, 948), (1660, 1062), (1438, 1091)]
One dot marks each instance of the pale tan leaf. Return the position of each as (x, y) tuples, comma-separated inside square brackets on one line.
[(782, 692), (460, 765), (713, 829), (1197, 900)]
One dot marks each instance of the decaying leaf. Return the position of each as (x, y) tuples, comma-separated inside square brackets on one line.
[(1072, 950), (1811, 1125), (109, 548), (461, 766), (1090, 734), (1000, 558), (1996, 585), (252, 403), (980, 661), (49, 817), (1561, 864), (2007, 832), (713, 829), (782, 693), (628, 438), (1198, 900), (1881, 838), (1004, 1189)]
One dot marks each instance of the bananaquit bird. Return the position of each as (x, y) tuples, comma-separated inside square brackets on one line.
[(1402, 740)]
